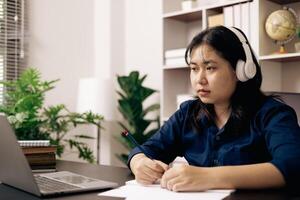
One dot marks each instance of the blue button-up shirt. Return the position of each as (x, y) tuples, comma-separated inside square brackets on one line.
[(273, 136)]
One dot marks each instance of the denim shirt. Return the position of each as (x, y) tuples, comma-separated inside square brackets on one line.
[(273, 136)]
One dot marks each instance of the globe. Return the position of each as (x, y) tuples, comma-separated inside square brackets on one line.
[(281, 26)]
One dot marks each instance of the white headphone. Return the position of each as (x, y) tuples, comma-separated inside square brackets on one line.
[(244, 70)]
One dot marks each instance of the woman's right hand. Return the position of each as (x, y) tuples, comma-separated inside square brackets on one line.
[(147, 171)]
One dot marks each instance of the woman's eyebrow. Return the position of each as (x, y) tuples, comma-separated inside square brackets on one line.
[(206, 62), (192, 63)]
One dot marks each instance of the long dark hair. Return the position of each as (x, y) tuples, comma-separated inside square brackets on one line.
[(247, 97)]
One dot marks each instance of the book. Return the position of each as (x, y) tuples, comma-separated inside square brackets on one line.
[(41, 159), (38, 149), (228, 16), (173, 53), (216, 20), (180, 61), (34, 143), (45, 162), (246, 19), (237, 16), (254, 32)]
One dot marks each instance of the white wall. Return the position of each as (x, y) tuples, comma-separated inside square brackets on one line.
[(144, 49), (144, 39), (61, 44), (75, 39)]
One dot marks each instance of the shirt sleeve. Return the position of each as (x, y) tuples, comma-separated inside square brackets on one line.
[(282, 134), (165, 144)]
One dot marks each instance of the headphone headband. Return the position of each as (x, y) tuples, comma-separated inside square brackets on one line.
[(238, 34), (245, 70), (244, 42)]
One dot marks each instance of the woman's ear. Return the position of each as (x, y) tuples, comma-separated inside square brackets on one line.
[(235, 75)]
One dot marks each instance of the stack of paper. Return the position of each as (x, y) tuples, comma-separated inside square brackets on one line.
[(175, 57), (132, 190)]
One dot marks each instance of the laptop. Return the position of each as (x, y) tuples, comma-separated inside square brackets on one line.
[(16, 172)]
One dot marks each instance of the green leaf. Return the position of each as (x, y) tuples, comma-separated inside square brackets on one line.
[(122, 157), (31, 120), (130, 105), (150, 108), (123, 126), (84, 136)]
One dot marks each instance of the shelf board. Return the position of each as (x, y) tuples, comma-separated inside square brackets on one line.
[(196, 13), (282, 92), (288, 57), (186, 16), (225, 3), (282, 2)]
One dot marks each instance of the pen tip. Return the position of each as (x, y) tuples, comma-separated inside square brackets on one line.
[(124, 133)]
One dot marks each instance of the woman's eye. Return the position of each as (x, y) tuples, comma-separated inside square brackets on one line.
[(193, 68), (210, 68)]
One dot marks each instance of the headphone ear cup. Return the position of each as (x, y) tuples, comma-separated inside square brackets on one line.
[(250, 69), (240, 71)]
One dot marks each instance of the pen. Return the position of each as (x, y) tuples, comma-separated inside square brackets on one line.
[(129, 137)]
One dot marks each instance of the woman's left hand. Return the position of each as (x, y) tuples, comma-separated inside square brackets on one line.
[(187, 178)]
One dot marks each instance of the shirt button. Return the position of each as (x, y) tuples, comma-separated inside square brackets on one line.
[(218, 137)]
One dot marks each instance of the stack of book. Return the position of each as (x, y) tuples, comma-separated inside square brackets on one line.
[(40, 155), (175, 58)]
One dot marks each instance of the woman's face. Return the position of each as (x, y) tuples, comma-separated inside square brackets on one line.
[(212, 77)]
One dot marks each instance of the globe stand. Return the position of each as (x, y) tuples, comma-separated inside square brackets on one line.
[(282, 50), (277, 29)]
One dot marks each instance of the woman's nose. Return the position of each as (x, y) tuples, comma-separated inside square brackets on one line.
[(202, 78)]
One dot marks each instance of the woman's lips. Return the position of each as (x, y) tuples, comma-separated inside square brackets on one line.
[(203, 92)]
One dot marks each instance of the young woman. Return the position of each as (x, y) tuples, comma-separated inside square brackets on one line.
[(232, 135)]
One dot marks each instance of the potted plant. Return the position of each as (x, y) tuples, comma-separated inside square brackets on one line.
[(132, 96), (24, 107)]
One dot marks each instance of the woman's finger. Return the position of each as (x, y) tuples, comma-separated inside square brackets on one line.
[(163, 166), (168, 175)]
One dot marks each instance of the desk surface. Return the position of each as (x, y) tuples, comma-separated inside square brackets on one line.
[(109, 173), (120, 175)]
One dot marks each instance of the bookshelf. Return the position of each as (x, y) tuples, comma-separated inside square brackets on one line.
[(283, 2), (289, 57), (281, 73)]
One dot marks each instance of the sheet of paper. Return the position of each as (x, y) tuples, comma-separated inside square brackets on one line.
[(132, 191)]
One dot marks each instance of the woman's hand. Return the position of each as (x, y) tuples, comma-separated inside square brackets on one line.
[(187, 178), (147, 171)]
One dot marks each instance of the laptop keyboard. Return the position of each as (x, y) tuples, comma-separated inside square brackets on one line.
[(49, 185)]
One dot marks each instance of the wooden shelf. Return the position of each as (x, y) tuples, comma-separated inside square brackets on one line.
[(196, 13), (282, 2), (185, 16), (282, 92), (224, 4), (289, 57), (281, 72)]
